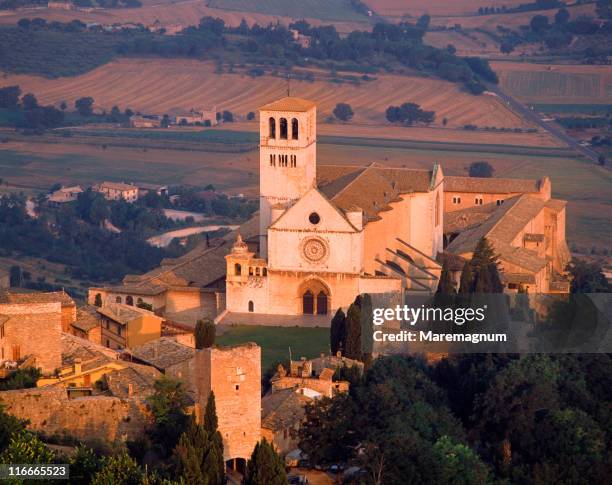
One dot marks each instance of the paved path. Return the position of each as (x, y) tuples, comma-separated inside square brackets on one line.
[(551, 127), (166, 238)]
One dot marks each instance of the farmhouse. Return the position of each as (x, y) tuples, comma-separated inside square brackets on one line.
[(139, 121), (64, 194), (117, 191), (195, 116)]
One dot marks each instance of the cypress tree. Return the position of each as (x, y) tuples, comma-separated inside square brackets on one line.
[(446, 285), (265, 467), (205, 334), (465, 283), (484, 267), (216, 464), (190, 453), (337, 332), (353, 332)]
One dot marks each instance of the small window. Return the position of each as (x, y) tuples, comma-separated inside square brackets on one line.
[(129, 300), (118, 299), (456, 200), (272, 160), (250, 271), (237, 269), (272, 125), (283, 129), (251, 307), (499, 201), (237, 387), (265, 272), (294, 160), (478, 201), (512, 286), (294, 129), (314, 218), (256, 271)]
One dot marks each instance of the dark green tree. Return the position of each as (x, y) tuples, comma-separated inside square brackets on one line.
[(29, 101), (587, 277), (446, 285), (16, 276), (84, 106), (353, 348), (84, 464), (9, 426), (119, 470), (459, 464), (465, 282), (205, 334), (343, 111), (481, 169), (265, 467), (215, 465), (168, 403), (337, 332), (484, 269), (562, 16), (25, 447)]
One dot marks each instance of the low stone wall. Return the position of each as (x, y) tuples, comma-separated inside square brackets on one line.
[(50, 411)]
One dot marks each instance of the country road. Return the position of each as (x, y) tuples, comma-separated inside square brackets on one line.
[(551, 127)]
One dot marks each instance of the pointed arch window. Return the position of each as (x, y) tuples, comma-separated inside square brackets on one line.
[(294, 129), (283, 129), (272, 127), (237, 269)]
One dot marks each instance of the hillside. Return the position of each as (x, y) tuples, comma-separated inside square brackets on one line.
[(158, 86)]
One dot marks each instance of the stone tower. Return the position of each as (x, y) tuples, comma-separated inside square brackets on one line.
[(287, 157)]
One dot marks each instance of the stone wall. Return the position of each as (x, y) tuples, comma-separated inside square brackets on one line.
[(50, 411), (33, 329)]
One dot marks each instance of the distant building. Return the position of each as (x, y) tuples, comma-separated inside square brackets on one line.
[(30, 328), (60, 5), (144, 189), (65, 194), (117, 191), (25, 297), (125, 326), (302, 40), (282, 414), (138, 121), (302, 378), (195, 116)]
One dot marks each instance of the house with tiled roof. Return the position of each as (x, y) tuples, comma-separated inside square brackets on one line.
[(117, 191)]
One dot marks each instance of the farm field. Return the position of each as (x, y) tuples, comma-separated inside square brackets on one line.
[(399, 8), (275, 341), (159, 86), (321, 9), (466, 43), (556, 83), (173, 13), (40, 165)]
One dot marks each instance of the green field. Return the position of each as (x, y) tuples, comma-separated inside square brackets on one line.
[(587, 109), (275, 341), (297, 9)]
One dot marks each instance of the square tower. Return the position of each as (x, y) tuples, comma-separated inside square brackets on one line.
[(287, 157)]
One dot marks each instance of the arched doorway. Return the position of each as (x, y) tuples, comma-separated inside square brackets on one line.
[(308, 303), (322, 303), (129, 300), (315, 297)]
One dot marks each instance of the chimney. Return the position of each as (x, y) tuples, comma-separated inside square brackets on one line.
[(77, 366)]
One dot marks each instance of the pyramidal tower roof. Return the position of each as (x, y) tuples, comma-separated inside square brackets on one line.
[(289, 103)]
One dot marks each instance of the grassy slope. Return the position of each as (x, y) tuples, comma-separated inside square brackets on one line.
[(322, 9)]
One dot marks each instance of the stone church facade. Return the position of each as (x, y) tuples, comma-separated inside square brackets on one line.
[(329, 233)]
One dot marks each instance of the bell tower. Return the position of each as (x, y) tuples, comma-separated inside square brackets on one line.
[(287, 157)]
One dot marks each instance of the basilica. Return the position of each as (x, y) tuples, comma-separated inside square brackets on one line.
[(326, 233)]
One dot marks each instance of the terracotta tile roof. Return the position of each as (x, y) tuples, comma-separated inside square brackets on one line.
[(282, 409), (461, 220), (88, 318), (78, 348), (116, 186), (289, 103), (370, 188), (556, 204), (491, 185), (24, 297), (163, 353), (518, 278), (141, 377), (501, 228), (122, 313)]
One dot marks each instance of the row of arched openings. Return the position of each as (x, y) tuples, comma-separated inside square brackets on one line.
[(129, 300), (283, 128)]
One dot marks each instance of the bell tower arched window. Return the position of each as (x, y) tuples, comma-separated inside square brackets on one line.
[(237, 269), (294, 129), (272, 131), (283, 129)]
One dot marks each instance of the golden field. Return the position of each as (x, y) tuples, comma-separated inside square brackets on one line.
[(159, 86), (399, 8), (556, 83)]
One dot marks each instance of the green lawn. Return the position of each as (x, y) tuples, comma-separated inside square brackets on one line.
[(275, 341)]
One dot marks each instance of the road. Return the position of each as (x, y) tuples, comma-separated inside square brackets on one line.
[(551, 127)]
